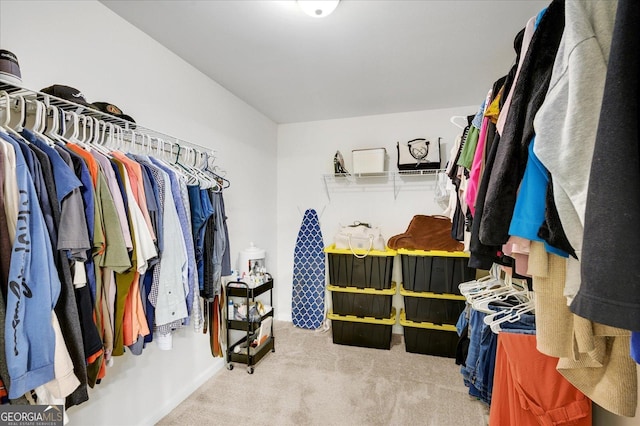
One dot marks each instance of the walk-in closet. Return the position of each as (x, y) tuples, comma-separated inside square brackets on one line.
[(336, 212)]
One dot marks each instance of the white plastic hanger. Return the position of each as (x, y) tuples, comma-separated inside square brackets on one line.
[(511, 315), (112, 138), (19, 120), (160, 147), (459, 117), (149, 149), (32, 121), (473, 287), (53, 124), (95, 136), (6, 107), (71, 131), (141, 148), (99, 137), (39, 125), (119, 140), (490, 288), (14, 123), (88, 127), (482, 304), (131, 143), (192, 179), (206, 181), (223, 183)]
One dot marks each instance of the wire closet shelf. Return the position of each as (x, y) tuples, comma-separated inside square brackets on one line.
[(158, 141)]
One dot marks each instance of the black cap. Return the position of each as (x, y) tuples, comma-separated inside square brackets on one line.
[(67, 93), (9, 68), (111, 109)]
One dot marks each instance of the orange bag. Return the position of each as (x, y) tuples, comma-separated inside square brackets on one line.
[(427, 233)]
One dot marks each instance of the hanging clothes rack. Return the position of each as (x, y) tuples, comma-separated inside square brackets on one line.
[(172, 146)]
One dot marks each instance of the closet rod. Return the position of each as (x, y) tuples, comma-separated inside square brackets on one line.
[(69, 106)]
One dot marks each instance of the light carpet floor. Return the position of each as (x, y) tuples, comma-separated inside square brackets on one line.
[(309, 380)]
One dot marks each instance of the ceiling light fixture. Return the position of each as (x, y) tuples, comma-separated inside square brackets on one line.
[(318, 9)]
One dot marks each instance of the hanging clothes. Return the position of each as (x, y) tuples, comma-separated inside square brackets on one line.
[(114, 260), (529, 391), (511, 154), (29, 338), (71, 239), (608, 293), (532, 203)]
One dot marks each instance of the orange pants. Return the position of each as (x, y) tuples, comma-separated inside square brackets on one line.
[(527, 389)]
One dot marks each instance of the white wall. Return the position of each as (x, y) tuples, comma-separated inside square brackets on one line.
[(84, 45), (305, 154)]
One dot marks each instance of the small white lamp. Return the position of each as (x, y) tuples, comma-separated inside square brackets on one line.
[(319, 8)]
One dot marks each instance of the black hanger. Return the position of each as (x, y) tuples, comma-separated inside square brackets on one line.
[(510, 262), (224, 183)]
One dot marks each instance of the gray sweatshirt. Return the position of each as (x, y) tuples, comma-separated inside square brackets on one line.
[(567, 121)]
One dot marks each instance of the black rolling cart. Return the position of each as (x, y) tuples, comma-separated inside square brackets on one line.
[(241, 350)]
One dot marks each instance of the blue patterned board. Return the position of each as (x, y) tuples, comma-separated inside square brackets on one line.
[(307, 301)]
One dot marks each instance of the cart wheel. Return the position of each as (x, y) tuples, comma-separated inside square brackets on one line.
[(273, 350), (250, 370), (229, 366)]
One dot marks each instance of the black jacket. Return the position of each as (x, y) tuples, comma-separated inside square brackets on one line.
[(511, 154)]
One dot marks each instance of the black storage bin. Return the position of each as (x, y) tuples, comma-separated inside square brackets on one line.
[(434, 310), (361, 302), (372, 271), (363, 332), (435, 274), (427, 341)]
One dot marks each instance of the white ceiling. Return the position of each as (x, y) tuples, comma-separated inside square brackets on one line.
[(368, 57)]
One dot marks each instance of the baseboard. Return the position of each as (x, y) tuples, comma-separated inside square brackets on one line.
[(182, 394), (284, 317)]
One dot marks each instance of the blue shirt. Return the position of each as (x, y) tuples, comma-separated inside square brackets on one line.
[(183, 211), (66, 180), (477, 120), (35, 170), (34, 288), (528, 213), (201, 210)]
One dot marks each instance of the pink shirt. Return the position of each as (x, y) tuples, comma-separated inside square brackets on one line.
[(477, 166)]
